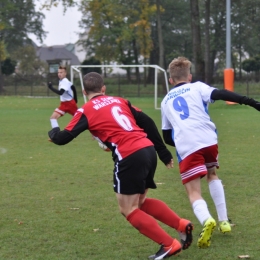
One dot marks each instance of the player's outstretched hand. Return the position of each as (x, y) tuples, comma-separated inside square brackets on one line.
[(257, 106), (49, 84), (170, 164)]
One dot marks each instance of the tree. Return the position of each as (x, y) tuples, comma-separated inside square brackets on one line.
[(138, 30), (28, 62), (119, 30), (207, 43), (195, 31), (249, 65), (91, 61), (3, 55), (160, 37), (18, 18), (218, 31), (176, 30), (8, 66)]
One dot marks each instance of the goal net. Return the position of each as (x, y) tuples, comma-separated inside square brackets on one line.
[(127, 80)]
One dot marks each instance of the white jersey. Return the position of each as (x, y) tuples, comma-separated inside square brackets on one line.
[(66, 85), (185, 110)]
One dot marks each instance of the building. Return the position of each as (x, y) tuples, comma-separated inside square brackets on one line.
[(57, 55)]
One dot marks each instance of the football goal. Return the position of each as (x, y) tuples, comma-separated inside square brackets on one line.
[(128, 80)]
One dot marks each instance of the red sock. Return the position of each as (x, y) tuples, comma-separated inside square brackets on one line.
[(160, 211), (149, 227)]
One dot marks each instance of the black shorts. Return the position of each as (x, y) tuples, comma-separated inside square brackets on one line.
[(134, 174)]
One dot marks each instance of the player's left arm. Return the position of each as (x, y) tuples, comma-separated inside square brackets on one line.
[(149, 127), (74, 93), (223, 94), (77, 125), (167, 137)]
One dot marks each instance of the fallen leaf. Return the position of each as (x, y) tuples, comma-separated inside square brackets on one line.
[(159, 183), (96, 229), (74, 208), (243, 256)]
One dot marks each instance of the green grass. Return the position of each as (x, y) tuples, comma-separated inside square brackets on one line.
[(57, 202)]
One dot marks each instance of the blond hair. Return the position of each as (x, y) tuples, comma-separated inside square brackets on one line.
[(179, 69)]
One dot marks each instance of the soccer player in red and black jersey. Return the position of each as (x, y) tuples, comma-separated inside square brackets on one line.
[(134, 139)]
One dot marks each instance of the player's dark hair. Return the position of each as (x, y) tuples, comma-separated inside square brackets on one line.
[(93, 82), (62, 68)]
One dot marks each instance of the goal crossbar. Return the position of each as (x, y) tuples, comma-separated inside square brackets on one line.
[(156, 67)]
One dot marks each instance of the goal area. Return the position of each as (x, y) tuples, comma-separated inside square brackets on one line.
[(127, 80)]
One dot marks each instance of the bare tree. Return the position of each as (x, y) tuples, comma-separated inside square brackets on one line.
[(160, 37), (196, 41), (208, 73)]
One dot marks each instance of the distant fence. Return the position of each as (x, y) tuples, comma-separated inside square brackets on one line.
[(26, 86), (117, 85)]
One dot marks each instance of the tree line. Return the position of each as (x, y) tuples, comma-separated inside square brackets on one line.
[(156, 31)]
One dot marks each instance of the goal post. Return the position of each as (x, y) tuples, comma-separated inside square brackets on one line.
[(81, 80), (157, 69)]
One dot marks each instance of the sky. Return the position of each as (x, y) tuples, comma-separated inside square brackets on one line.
[(62, 28)]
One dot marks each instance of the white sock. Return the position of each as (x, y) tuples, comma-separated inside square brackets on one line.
[(54, 123), (218, 195), (200, 210)]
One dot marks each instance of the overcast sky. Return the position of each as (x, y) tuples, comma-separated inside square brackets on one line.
[(61, 28)]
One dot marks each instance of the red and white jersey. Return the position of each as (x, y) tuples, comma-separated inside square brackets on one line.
[(185, 110), (110, 120), (66, 85)]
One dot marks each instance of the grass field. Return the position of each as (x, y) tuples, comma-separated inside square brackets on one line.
[(57, 202)]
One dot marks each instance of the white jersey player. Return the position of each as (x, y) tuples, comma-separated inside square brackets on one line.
[(186, 107), (187, 126), (68, 96)]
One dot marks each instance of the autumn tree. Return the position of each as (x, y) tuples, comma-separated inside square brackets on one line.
[(196, 29), (119, 30)]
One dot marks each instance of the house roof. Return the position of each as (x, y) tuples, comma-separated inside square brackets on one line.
[(57, 52)]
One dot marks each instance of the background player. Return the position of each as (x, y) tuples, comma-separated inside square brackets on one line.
[(134, 139), (187, 126), (68, 95)]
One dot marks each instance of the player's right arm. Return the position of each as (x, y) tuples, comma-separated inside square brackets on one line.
[(167, 137), (77, 125), (167, 131), (59, 92)]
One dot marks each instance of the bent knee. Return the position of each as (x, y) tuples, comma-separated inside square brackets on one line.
[(212, 175)]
